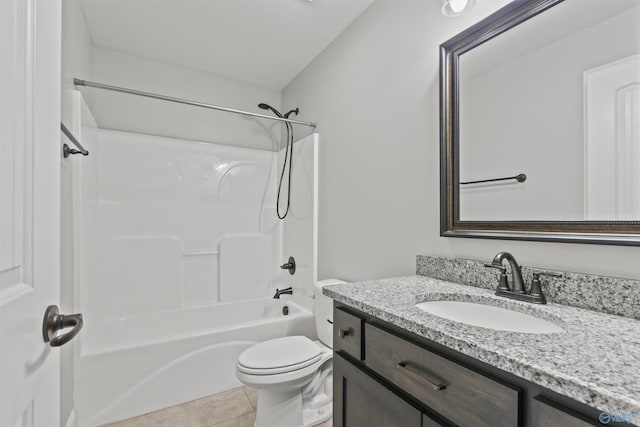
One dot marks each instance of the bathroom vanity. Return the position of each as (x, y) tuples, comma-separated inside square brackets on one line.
[(395, 365)]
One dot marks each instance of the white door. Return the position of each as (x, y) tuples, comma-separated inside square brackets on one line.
[(612, 140), (29, 209)]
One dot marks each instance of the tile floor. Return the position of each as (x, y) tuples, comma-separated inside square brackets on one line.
[(233, 408)]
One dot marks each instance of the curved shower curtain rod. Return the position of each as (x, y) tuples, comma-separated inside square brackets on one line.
[(79, 82)]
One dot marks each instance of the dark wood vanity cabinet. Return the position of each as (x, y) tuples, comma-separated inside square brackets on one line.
[(364, 402), (387, 377)]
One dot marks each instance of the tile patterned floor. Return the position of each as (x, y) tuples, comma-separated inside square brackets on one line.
[(233, 408)]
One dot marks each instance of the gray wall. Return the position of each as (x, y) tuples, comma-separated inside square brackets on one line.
[(116, 111), (374, 93)]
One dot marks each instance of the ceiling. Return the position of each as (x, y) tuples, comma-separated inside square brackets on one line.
[(264, 42)]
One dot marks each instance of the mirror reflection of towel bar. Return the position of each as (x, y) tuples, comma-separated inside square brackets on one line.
[(520, 178), (66, 151)]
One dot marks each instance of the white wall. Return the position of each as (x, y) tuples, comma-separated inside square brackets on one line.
[(374, 93), (534, 124), (76, 62), (153, 117)]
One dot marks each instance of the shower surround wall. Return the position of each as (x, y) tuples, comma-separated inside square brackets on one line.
[(171, 224)]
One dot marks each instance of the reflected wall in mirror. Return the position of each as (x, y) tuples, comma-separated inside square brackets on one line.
[(549, 89)]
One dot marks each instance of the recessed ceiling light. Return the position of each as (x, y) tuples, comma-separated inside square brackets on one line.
[(456, 7)]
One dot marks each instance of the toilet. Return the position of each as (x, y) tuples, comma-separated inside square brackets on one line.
[(293, 375)]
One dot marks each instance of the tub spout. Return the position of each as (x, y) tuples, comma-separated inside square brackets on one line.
[(287, 291)]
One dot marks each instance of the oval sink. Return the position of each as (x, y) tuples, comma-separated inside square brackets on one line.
[(490, 317)]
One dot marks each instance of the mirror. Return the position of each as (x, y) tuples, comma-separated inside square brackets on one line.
[(540, 124)]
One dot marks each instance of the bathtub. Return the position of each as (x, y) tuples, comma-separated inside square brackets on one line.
[(131, 366)]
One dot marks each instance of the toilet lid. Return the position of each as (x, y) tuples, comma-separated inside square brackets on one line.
[(280, 355)]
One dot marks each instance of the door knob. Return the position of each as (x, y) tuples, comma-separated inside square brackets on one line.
[(54, 322)]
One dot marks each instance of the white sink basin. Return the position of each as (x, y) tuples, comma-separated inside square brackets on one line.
[(488, 316)]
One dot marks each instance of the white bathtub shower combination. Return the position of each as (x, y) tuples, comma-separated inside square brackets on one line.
[(178, 250), (140, 364)]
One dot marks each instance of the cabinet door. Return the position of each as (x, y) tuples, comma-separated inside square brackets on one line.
[(547, 413), (360, 401)]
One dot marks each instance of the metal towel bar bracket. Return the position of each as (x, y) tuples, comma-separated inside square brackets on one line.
[(66, 150)]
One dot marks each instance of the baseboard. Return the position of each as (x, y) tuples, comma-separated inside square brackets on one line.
[(72, 421)]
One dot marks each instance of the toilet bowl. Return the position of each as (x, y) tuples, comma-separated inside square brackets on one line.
[(293, 374)]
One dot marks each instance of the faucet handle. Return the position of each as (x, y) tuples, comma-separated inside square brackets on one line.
[(290, 266), (504, 283), (536, 289), (537, 274)]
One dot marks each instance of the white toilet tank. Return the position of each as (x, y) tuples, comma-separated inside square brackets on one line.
[(323, 311)]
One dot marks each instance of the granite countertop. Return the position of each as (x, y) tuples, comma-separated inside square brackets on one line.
[(596, 361)]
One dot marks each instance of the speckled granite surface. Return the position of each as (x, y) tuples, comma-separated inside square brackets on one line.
[(596, 361), (600, 293)]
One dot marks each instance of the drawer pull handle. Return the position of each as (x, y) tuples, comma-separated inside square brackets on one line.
[(418, 374), (344, 332)]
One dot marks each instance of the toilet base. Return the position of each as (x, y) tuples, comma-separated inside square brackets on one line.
[(312, 417), (279, 408), (301, 406), (286, 409)]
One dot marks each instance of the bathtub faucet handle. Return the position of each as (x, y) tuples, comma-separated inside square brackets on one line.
[(288, 291), (291, 265)]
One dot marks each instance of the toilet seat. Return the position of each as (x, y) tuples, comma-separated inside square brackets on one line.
[(280, 355)]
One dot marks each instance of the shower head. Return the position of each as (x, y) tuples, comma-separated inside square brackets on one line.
[(269, 107), (264, 106), (295, 111)]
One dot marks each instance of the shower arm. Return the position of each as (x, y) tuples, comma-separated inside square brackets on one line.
[(79, 82)]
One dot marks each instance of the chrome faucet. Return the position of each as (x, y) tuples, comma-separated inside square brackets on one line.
[(287, 291), (518, 292)]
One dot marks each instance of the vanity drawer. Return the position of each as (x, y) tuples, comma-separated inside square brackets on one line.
[(546, 413), (463, 396), (364, 402), (347, 333)]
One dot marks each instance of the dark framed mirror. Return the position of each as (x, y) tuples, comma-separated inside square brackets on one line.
[(540, 124)]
